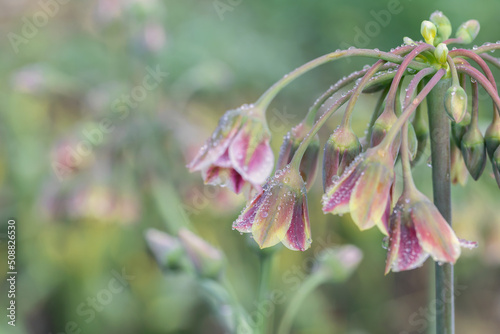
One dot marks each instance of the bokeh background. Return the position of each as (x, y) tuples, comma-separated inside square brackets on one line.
[(83, 197)]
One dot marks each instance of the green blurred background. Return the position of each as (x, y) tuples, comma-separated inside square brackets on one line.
[(67, 74)]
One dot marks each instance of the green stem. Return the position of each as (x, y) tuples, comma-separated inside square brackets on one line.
[(377, 112), (486, 48), (265, 276), (439, 125), (408, 184), (311, 283), (391, 135), (297, 157), (266, 98)]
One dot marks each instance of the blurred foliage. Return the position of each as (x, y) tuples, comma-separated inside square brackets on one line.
[(81, 226)]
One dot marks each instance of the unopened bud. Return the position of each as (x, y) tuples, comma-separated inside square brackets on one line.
[(455, 103), (495, 161), (458, 170), (409, 41), (309, 162), (207, 260), (421, 132), (492, 137), (341, 149), (474, 151), (428, 31), (468, 31), (339, 263), (458, 129), (167, 250), (441, 53), (443, 26)]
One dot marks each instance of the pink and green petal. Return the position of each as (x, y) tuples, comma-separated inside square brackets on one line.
[(273, 219), (336, 198), (370, 195), (245, 220), (435, 235), (298, 236)]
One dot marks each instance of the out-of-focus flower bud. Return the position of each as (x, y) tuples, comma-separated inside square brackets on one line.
[(167, 250), (458, 129), (381, 126), (207, 260), (492, 137), (455, 103), (428, 31), (458, 173), (338, 263), (474, 151), (468, 31), (441, 53), (422, 132), (443, 26), (309, 162), (341, 149)]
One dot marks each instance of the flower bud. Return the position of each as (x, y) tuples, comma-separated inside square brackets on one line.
[(455, 103), (474, 151), (428, 31), (496, 165), (492, 137), (167, 250), (341, 149), (443, 26), (309, 162), (338, 263), (468, 31), (458, 129), (458, 172), (208, 261), (441, 53), (421, 132), (409, 41)]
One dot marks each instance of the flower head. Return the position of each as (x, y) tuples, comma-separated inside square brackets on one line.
[(418, 230), (309, 161), (364, 190), (237, 155), (279, 213)]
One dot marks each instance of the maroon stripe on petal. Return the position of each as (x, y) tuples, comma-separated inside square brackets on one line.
[(338, 195), (247, 216), (410, 255), (298, 236)]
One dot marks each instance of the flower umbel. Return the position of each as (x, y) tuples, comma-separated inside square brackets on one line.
[(279, 213), (237, 155)]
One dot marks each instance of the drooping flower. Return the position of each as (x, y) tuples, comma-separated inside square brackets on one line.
[(237, 155), (309, 162), (364, 190), (341, 149), (279, 213), (418, 230)]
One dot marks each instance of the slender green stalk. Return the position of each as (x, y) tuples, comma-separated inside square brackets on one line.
[(377, 112), (439, 126), (473, 73), (265, 276), (266, 98), (311, 283)]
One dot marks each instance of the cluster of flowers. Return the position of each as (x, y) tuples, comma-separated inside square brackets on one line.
[(358, 175)]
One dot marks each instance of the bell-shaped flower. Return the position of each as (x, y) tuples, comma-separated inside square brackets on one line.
[(237, 155), (418, 230), (309, 162), (364, 190), (341, 149), (495, 162), (279, 213)]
